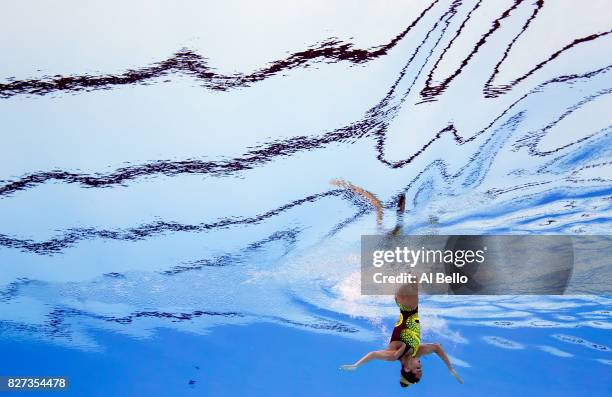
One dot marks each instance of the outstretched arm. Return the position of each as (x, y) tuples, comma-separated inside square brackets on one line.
[(385, 355), (428, 348)]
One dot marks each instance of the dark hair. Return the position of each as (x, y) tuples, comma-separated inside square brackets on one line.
[(410, 377)]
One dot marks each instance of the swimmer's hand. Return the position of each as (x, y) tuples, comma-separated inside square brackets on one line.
[(455, 374), (348, 367)]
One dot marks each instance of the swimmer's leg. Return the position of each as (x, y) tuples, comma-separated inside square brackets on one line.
[(401, 207), (363, 193), (408, 295)]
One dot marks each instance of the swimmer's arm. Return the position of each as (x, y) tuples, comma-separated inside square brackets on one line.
[(428, 348), (385, 355)]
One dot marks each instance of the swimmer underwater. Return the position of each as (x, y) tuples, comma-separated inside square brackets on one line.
[(405, 345)]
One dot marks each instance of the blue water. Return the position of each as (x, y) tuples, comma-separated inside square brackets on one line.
[(245, 359), (167, 222)]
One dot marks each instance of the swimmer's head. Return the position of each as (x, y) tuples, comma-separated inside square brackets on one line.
[(410, 372)]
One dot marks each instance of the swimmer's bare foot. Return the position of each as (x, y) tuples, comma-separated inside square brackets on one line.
[(338, 182)]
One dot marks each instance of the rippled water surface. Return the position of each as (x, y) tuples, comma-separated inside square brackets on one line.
[(166, 206)]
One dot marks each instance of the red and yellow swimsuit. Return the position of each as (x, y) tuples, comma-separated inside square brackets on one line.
[(408, 329)]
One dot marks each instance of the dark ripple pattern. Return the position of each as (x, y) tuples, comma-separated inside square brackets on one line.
[(57, 326), (73, 236), (194, 65)]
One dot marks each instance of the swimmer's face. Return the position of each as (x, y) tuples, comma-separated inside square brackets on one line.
[(414, 365)]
